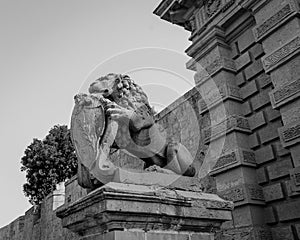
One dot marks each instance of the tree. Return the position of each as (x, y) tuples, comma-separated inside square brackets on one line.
[(48, 162)]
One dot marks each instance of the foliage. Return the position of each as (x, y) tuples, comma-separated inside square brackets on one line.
[(47, 163)]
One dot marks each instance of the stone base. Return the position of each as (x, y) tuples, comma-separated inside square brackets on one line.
[(139, 210), (153, 235)]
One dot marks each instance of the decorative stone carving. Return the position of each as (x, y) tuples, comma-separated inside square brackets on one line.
[(248, 193), (223, 93), (272, 22), (238, 157), (290, 134), (295, 179), (285, 94), (233, 122), (116, 115), (212, 6), (282, 54)]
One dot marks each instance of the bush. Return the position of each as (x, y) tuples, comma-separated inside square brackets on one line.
[(47, 163)]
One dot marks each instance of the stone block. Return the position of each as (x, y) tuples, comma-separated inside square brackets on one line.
[(282, 233), (201, 236), (244, 216), (280, 150), (261, 175), (257, 51), (257, 120), (272, 114), (234, 50), (264, 154), (260, 100), (291, 112), (253, 141), (242, 61), (254, 69), (270, 216), (290, 189), (248, 90), (167, 236), (240, 78), (247, 110), (263, 80), (270, 132), (246, 40), (289, 211), (273, 192), (280, 168), (295, 178)]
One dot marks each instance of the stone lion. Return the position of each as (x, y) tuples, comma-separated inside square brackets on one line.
[(129, 124)]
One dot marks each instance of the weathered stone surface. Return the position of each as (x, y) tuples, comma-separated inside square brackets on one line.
[(280, 168), (261, 175), (289, 211), (109, 206), (253, 141), (260, 100), (285, 94), (263, 80), (247, 109), (232, 123), (240, 78), (273, 192), (279, 56), (264, 154), (242, 61), (272, 114), (290, 134), (254, 69), (270, 216), (270, 132), (257, 120), (246, 40), (257, 51), (273, 22), (249, 89), (232, 159), (282, 233)]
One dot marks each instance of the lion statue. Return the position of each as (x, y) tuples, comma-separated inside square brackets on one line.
[(117, 115)]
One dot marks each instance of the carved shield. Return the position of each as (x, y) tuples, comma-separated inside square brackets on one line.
[(92, 137)]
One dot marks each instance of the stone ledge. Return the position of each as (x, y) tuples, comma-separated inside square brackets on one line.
[(285, 94), (232, 123), (238, 157), (281, 55), (244, 194), (129, 206), (278, 19)]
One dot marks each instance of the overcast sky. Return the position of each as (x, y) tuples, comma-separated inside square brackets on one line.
[(51, 50)]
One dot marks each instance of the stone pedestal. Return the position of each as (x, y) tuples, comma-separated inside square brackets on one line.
[(127, 211)]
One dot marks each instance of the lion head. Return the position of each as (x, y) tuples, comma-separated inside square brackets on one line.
[(122, 90)]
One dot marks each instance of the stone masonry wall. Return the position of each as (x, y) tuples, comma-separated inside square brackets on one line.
[(251, 49)]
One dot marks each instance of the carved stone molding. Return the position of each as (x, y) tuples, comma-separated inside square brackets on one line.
[(218, 96), (279, 56), (264, 29), (212, 6), (232, 123), (244, 194), (290, 134), (285, 94), (237, 157), (206, 72)]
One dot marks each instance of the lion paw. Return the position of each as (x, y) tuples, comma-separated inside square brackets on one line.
[(155, 168)]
